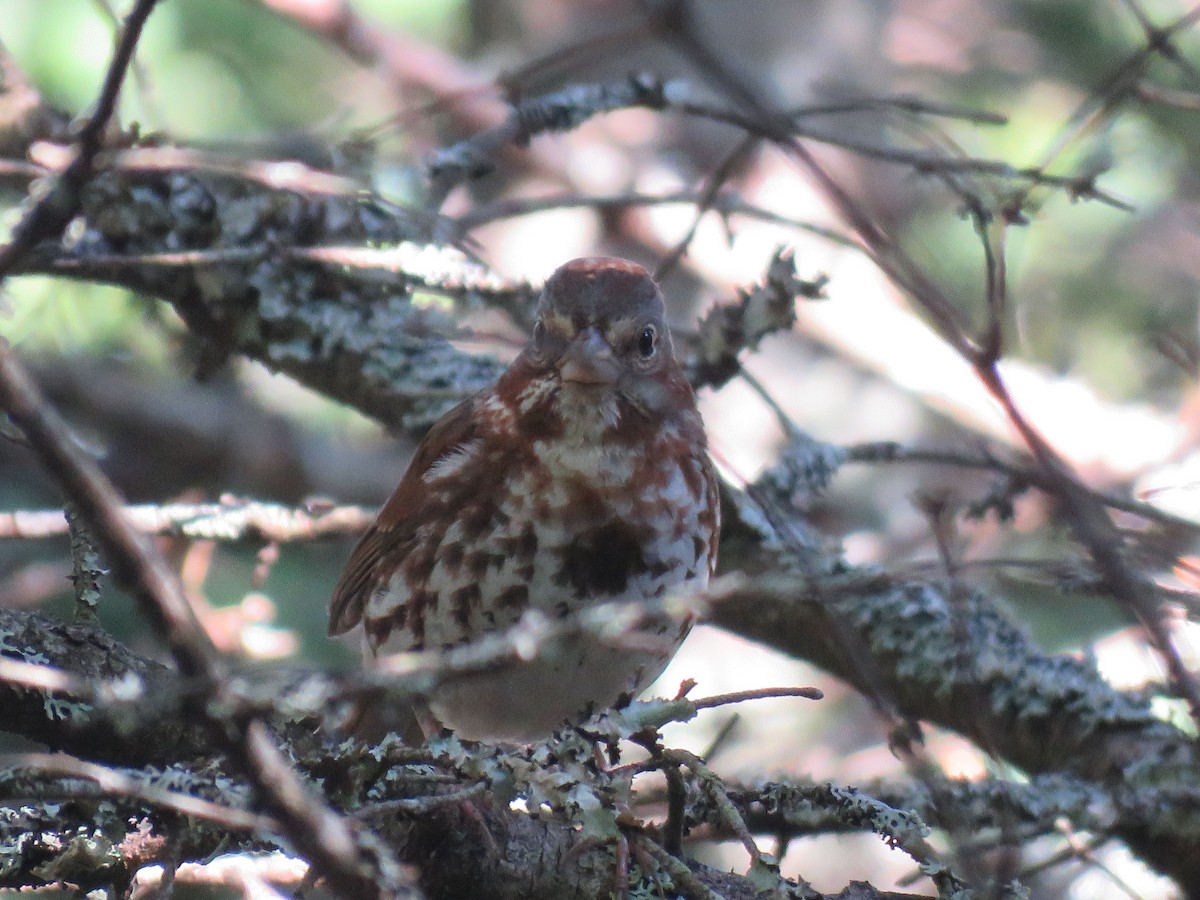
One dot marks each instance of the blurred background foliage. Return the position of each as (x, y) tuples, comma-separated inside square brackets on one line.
[(227, 71), (1096, 290)]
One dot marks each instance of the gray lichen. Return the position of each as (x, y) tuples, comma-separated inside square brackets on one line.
[(729, 328), (898, 827), (86, 570), (243, 278), (945, 645)]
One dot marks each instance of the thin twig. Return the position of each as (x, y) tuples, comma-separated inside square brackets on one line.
[(420, 805), (1088, 519), (313, 828), (49, 216), (809, 693), (730, 815), (230, 519), (110, 781), (892, 452), (722, 202), (683, 878), (716, 181)]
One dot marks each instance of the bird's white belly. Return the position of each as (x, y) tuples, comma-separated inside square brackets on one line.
[(527, 701)]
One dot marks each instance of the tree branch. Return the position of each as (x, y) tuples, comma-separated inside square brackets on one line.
[(315, 831)]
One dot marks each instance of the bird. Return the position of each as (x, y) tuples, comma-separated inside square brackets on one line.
[(580, 477)]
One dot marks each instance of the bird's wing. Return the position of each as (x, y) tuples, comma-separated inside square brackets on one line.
[(370, 563)]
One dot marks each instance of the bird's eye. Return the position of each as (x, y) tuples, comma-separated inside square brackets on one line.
[(539, 333), (646, 342)]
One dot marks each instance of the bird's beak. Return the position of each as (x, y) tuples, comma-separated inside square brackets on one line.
[(589, 360)]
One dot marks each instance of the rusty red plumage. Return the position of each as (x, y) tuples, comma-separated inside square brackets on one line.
[(580, 477)]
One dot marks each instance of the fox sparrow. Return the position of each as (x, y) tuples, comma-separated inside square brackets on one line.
[(580, 477)]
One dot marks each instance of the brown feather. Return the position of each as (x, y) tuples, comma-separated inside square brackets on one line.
[(579, 477), (373, 560)]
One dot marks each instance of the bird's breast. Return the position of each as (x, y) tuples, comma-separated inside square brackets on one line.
[(551, 524)]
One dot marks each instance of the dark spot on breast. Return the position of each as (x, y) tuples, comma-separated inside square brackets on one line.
[(587, 504), (478, 518), (515, 597), (699, 546), (418, 565), (452, 557), (679, 528), (659, 567), (418, 605), (378, 630), (477, 563), (693, 476), (523, 545), (542, 423), (602, 560), (462, 603)]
